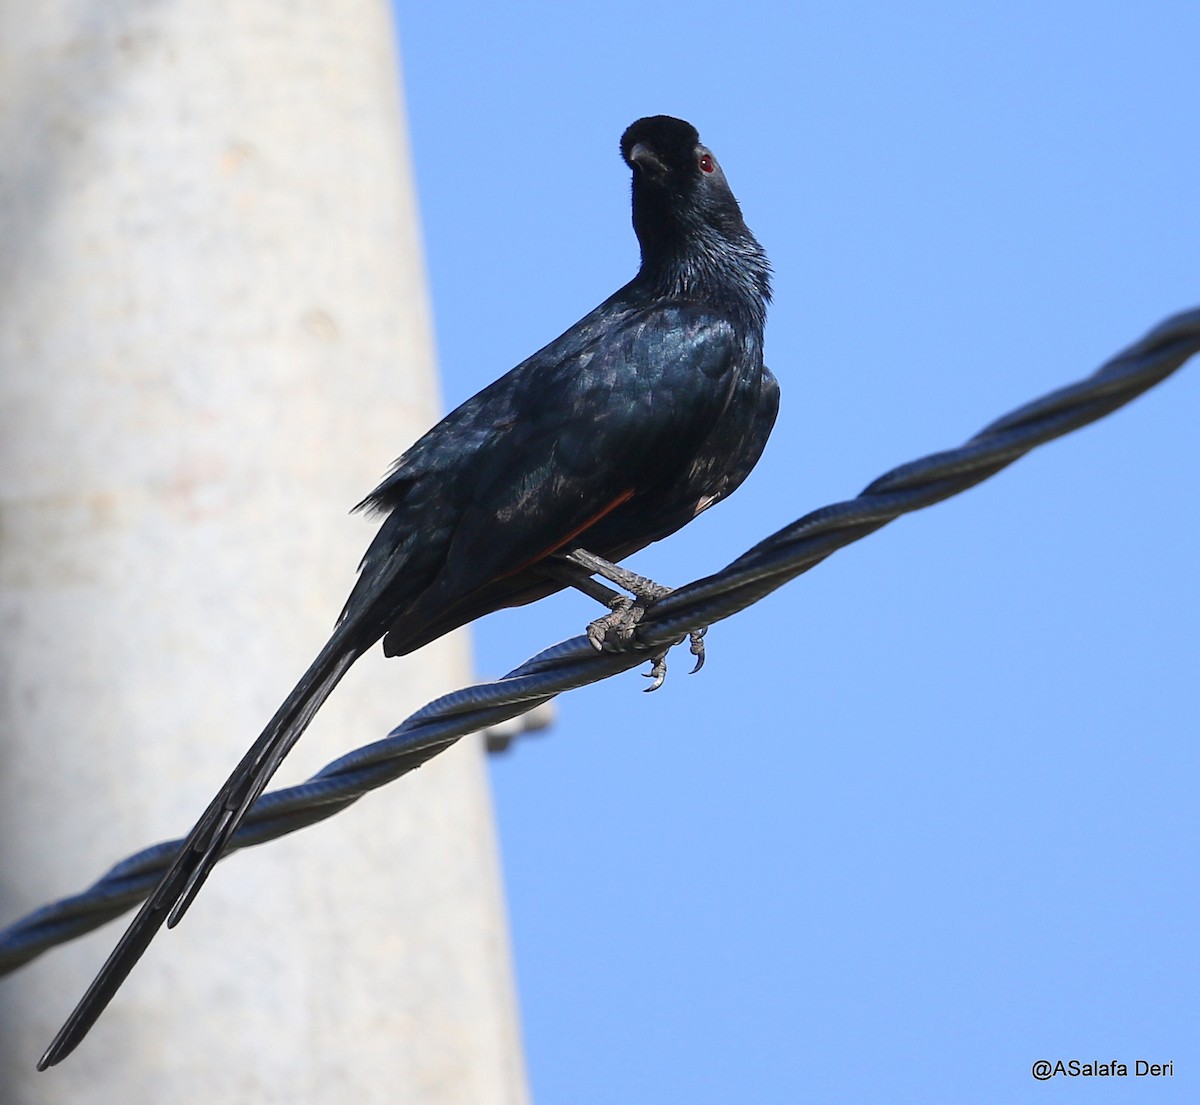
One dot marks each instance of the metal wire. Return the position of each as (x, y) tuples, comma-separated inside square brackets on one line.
[(570, 664)]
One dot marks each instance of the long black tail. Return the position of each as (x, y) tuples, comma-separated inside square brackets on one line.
[(206, 843)]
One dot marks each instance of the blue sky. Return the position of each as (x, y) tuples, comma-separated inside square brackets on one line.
[(928, 814)]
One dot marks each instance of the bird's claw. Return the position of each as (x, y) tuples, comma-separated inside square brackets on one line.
[(621, 620), (616, 630), (657, 672), (658, 669)]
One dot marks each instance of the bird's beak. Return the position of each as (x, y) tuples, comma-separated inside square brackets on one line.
[(644, 158)]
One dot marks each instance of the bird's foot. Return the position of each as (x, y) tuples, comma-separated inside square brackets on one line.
[(658, 667), (620, 622), (617, 628)]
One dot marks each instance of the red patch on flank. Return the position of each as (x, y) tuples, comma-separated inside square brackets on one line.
[(624, 497)]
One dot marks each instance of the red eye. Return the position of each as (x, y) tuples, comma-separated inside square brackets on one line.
[(707, 165)]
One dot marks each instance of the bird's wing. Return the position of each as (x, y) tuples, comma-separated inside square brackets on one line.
[(533, 460)]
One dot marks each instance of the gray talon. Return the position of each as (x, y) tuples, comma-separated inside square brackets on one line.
[(657, 672), (615, 630), (621, 621)]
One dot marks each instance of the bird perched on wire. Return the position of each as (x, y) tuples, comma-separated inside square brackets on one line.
[(651, 408)]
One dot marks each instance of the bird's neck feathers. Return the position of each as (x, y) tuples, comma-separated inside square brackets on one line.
[(721, 264)]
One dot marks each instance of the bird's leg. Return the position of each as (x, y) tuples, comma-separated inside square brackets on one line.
[(574, 575), (577, 568), (643, 589), (622, 617)]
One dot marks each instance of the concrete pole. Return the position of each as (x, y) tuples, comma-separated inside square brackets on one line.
[(214, 338)]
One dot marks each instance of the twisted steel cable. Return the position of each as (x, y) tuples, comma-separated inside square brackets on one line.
[(574, 663)]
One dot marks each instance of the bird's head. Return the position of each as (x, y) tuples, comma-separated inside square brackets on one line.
[(662, 147), (684, 212)]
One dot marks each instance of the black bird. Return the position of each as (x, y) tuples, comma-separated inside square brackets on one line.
[(647, 411)]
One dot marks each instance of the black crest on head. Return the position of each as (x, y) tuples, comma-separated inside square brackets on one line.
[(673, 140)]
